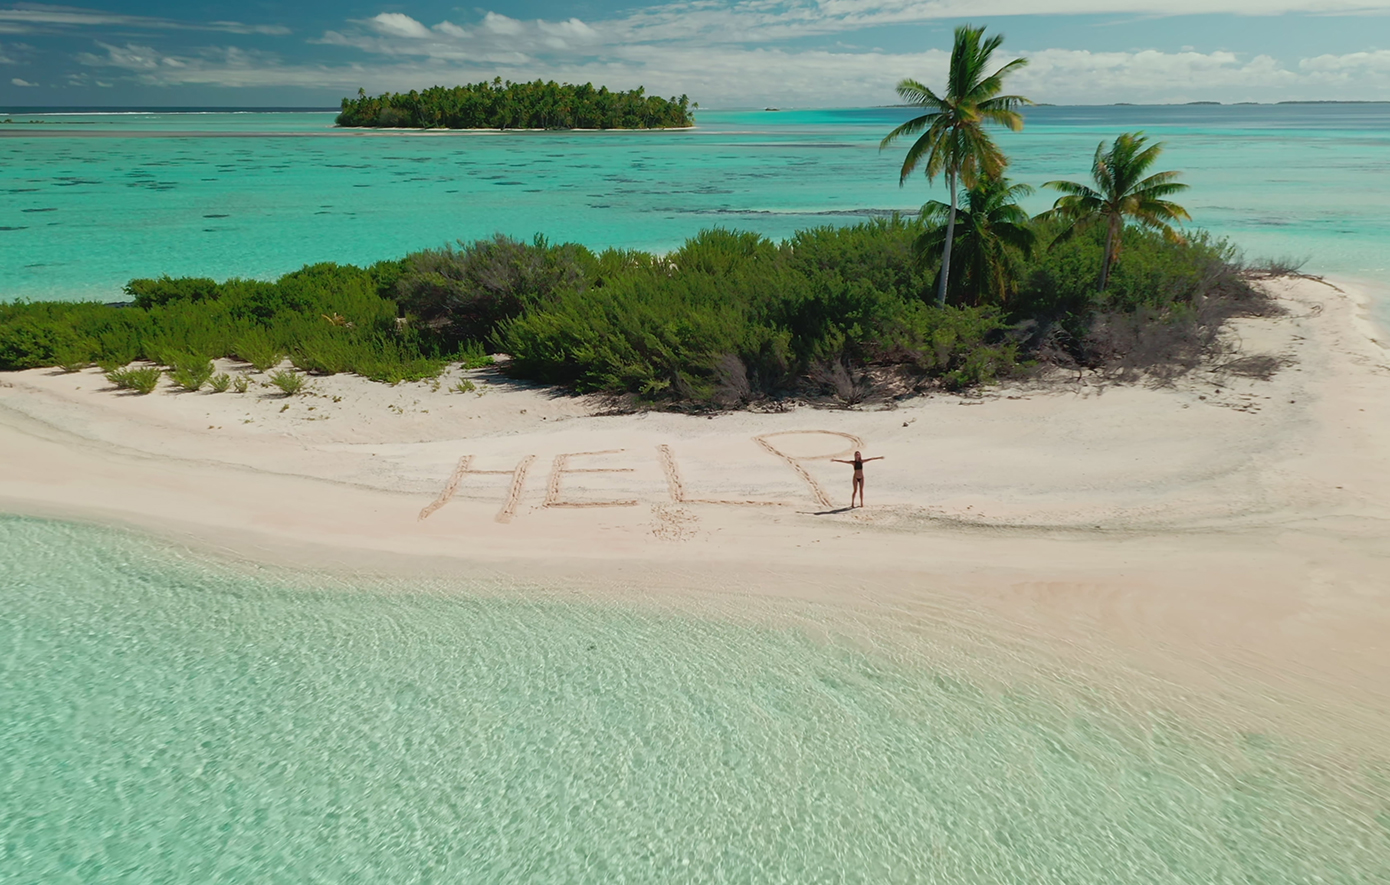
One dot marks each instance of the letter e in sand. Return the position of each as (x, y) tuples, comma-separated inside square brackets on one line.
[(561, 466)]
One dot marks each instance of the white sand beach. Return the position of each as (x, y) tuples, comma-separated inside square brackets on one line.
[(1224, 520)]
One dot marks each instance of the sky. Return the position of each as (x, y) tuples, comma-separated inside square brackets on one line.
[(787, 53)]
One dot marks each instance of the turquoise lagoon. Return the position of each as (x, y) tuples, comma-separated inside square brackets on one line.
[(169, 719), (92, 201)]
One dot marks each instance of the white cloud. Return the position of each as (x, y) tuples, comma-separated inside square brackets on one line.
[(449, 29), (1354, 61), (9, 55), (739, 76), (722, 54), (15, 81), (496, 40), (1079, 76), (34, 17), (568, 33), (496, 23), (129, 57), (395, 24), (771, 20)]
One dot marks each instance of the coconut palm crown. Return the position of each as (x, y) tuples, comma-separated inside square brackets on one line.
[(953, 139), (992, 228), (1122, 192)]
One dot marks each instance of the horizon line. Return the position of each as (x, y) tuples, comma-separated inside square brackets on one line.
[(80, 108)]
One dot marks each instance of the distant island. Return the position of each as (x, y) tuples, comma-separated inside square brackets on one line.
[(499, 105)]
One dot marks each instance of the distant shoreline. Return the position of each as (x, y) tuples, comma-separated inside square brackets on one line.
[(81, 110), (333, 132)]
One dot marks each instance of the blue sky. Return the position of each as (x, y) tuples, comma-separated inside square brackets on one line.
[(793, 53)]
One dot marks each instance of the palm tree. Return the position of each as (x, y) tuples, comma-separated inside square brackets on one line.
[(992, 225), (1122, 192), (955, 141)]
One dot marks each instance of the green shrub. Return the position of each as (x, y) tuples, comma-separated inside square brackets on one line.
[(962, 345), (464, 386), (472, 355), (290, 383), (220, 382), (37, 337), (240, 384), (142, 380), (462, 294), (190, 372), (167, 290), (326, 353), (257, 348)]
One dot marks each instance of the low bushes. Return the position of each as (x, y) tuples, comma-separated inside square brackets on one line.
[(289, 383), (330, 317), (142, 380), (728, 319), (190, 372)]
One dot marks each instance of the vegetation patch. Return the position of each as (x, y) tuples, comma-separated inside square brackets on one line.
[(729, 320), (141, 380), (507, 105), (290, 383), (191, 372)]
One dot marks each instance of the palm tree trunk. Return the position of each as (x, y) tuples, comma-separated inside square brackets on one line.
[(946, 250), (1109, 256)]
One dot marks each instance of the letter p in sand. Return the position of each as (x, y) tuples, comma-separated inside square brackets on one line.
[(795, 451)]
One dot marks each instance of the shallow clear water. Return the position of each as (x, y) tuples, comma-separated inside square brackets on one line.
[(165, 719), (113, 197)]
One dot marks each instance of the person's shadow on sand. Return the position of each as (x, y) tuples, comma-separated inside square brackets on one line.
[(829, 512)]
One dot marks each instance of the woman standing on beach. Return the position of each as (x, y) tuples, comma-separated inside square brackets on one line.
[(858, 487)]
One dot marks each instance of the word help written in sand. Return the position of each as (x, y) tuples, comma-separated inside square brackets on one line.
[(567, 463)]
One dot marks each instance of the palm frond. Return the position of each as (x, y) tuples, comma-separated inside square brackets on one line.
[(1020, 236), (1144, 190), (1076, 226), (911, 127), (1073, 188), (935, 212), (927, 146), (916, 94)]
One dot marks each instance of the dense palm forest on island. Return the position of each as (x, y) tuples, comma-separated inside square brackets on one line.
[(507, 105), (963, 294)]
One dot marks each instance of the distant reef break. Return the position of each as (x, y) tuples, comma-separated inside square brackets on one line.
[(499, 105)]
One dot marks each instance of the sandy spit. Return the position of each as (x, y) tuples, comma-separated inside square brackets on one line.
[(1224, 525)]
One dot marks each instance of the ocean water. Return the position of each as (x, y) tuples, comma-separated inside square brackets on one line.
[(168, 719), (94, 200), (165, 718)]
